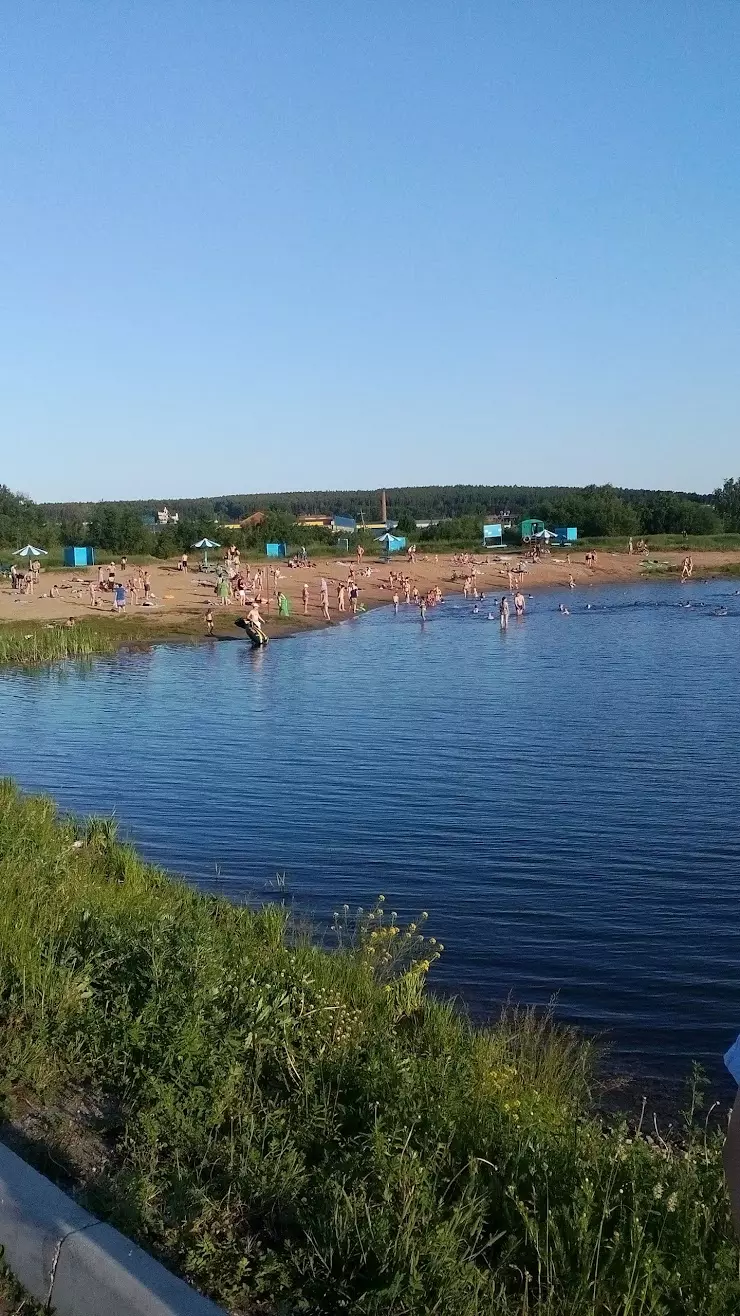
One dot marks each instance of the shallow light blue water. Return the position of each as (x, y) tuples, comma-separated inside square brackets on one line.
[(562, 799)]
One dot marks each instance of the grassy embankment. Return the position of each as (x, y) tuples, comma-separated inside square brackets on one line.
[(296, 1129)]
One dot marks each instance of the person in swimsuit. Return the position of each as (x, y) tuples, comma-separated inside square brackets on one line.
[(304, 596), (503, 613), (519, 604), (209, 622)]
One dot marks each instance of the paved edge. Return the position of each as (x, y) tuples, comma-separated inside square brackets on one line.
[(73, 1262)]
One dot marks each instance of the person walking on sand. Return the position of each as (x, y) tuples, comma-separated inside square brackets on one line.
[(325, 600), (630, 546), (209, 622), (503, 613), (687, 568), (519, 604), (93, 594), (360, 554), (341, 597), (304, 596), (119, 598)]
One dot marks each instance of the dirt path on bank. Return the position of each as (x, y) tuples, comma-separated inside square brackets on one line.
[(182, 599)]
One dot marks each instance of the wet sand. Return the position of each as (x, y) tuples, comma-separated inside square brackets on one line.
[(181, 599)]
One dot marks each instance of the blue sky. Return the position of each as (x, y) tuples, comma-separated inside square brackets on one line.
[(255, 246)]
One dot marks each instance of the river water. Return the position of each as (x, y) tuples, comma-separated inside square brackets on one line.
[(562, 798)]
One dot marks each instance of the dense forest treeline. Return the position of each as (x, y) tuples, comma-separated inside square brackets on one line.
[(421, 502), (457, 511)]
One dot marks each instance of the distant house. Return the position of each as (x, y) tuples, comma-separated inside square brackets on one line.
[(343, 525), (257, 518), (165, 517), (314, 519)]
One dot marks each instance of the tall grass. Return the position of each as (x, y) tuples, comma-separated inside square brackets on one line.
[(28, 647), (305, 1130)]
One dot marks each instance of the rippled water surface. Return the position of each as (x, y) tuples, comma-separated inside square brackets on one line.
[(563, 799)]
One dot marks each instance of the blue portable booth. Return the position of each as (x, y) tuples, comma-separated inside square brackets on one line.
[(493, 535), (566, 534), (276, 550), (79, 557)]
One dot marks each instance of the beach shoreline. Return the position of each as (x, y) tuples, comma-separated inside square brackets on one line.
[(183, 598)]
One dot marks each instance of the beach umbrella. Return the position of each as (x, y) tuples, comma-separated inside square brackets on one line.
[(30, 551), (205, 544)]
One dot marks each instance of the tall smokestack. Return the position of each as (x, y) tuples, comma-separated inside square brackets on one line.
[(383, 507)]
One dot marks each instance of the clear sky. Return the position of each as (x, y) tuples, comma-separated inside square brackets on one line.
[(252, 245)]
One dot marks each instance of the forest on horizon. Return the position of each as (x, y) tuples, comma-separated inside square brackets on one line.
[(457, 513)]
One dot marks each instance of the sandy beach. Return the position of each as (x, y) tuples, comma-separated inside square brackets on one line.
[(184, 597)]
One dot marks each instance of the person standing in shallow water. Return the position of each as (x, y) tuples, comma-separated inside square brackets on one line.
[(503, 613), (519, 604)]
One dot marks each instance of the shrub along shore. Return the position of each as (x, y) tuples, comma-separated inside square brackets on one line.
[(296, 1128)]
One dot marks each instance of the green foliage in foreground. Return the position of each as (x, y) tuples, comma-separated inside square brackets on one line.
[(300, 1130), (33, 645)]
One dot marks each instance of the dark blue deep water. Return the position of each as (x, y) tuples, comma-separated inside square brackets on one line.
[(563, 799)]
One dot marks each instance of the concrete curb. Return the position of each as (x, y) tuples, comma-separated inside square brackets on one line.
[(75, 1264)]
